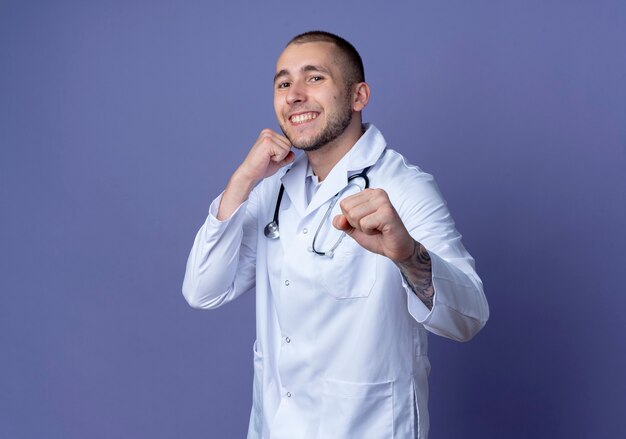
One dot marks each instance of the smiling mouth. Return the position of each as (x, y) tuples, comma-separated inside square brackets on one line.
[(302, 117)]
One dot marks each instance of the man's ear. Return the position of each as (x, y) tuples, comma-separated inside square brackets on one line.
[(360, 96)]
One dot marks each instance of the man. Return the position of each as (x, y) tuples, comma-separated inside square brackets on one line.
[(367, 259)]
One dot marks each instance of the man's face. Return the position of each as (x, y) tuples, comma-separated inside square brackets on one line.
[(311, 99)]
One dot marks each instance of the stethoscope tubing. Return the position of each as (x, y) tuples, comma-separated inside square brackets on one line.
[(271, 230)]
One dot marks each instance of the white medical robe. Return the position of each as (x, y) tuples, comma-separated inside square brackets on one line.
[(341, 347)]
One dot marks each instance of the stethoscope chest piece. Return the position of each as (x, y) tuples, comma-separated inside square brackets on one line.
[(271, 230)]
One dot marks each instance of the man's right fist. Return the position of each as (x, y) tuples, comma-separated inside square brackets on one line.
[(270, 152)]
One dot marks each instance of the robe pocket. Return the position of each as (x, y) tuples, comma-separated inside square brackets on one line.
[(356, 410), (350, 273)]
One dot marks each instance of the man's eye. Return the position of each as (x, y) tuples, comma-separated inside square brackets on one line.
[(283, 85), (316, 78)]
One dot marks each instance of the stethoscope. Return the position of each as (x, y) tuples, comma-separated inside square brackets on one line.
[(271, 229)]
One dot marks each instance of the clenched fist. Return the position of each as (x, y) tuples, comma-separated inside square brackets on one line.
[(270, 152), (371, 220)]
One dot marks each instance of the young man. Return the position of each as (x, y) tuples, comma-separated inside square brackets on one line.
[(353, 254)]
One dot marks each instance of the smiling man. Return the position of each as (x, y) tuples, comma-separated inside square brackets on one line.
[(353, 255)]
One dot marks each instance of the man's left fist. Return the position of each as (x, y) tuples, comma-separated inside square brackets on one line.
[(372, 221)]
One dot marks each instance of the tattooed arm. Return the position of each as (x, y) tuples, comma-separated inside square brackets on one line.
[(417, 271), (373, 222)]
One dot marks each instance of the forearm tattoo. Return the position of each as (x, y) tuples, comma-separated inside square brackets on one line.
[(417, 271)]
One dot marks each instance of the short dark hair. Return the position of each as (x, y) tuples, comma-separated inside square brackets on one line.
[(352, 65)]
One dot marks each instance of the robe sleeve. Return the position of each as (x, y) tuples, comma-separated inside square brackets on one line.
[(221, 264)]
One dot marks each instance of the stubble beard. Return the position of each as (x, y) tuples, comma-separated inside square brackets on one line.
[(337, 124)]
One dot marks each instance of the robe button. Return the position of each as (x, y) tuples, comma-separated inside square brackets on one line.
[(288, 394), (287, 339), (287, 282)]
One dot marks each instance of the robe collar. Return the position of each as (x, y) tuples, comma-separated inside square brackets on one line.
[(364, 153)]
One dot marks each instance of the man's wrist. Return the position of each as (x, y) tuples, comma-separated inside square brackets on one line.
[(237, 191), (243, 180), (417, 271)]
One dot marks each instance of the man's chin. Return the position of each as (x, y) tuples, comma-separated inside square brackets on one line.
[(302, 143), (306, 146)]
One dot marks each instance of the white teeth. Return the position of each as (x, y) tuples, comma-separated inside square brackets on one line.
[(303, 117)]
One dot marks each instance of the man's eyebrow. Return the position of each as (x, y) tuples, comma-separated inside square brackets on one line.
[(310, 68), (283, 72), (307, 68)]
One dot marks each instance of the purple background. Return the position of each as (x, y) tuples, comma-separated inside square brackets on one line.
[(120, 121)]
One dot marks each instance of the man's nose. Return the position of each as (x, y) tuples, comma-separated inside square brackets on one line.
[(296, 93)]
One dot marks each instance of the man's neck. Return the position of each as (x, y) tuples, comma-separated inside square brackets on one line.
[(323, 160)]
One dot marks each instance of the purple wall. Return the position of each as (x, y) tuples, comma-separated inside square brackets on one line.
[(119, 121)]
